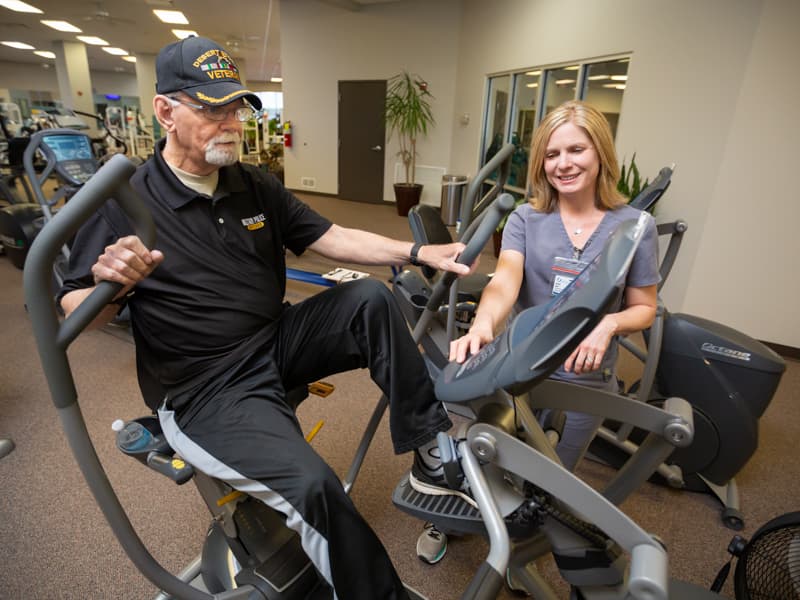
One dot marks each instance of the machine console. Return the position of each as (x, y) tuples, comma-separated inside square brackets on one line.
[(75, 162)]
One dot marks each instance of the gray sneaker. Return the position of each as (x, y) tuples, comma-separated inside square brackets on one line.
[(431, 544), (431, 480)]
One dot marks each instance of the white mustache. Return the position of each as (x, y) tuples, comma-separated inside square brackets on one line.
[(225, 138)]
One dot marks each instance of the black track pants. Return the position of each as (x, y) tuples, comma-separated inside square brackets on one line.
[(239, 428)]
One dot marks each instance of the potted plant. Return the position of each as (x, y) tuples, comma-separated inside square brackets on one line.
[(630, 180), (408, 114), (497, 236)]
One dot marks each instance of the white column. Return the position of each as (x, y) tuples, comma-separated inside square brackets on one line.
[(146, 86), (74, 82)]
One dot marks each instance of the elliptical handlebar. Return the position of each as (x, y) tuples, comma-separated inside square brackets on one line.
[(476, 237), (502, 160), (53, 338)]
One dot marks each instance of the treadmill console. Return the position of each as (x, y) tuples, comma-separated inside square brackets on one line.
[(75, 162)]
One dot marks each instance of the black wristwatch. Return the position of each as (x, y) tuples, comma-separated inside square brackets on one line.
[(413, 256)]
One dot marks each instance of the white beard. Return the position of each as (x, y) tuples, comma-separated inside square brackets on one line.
[(223, 156)]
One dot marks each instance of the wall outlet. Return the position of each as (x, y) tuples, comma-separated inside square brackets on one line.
[(308, 182)]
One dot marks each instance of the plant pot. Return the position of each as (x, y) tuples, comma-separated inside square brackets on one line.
[(406, 195)]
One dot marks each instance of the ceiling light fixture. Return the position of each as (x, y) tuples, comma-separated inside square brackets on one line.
[(44, 53), (533, 73), (92, 40), (564, 81), (115, 51), (61, 26), (531, 85), (18, 45), (572, 68), (182, 34), (597, 77), (619, 78), (18, 6), (131, 59), (174, 17), (614, 86), (276, 79)]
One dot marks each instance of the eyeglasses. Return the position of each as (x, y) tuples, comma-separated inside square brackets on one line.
[(218, 113)]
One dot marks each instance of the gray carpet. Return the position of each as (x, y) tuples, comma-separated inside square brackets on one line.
[(56, 544)]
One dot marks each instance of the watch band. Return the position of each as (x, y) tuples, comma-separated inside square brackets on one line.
[(413, 255)]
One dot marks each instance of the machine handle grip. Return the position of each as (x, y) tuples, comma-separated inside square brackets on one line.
[(52, 337), (483, 229)]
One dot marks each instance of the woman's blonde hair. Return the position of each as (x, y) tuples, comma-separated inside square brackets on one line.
[(544, 197)]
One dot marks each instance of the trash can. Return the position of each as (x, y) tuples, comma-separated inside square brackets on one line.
[(453, 187)]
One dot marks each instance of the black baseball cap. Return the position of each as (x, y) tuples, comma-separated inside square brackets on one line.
[(204, 70)]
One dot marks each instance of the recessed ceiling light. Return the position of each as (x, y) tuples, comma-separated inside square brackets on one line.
[(183, 33), (175, 17), (614, 86), (61, 26), (619, 78), (564, 81), (597, 77), (532, 85), (18, 6), (129, 58), (92, 40), (45, 53), (18, 45), (115, 51), (276, 79), (572, 68), (533, 73)]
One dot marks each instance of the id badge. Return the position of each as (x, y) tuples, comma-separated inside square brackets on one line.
[(564, 271)]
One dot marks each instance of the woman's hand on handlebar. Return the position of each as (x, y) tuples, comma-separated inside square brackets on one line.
[(470, 343), (127, 261)]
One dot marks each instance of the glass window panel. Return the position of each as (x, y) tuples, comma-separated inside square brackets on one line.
[(526, 97), (560, 86), (604, 86), (496, 116)]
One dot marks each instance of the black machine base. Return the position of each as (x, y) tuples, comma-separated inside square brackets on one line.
[(448, 513)]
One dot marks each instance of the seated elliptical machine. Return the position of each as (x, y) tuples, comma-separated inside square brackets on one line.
[(728, 378), (521, 490)]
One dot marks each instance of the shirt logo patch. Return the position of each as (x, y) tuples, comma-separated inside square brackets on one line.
[(253, 223)]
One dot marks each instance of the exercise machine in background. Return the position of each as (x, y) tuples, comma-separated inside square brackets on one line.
[(65, 155)]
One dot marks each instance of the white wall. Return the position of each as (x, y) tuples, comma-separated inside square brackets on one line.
[(745, 273), (322, 44)]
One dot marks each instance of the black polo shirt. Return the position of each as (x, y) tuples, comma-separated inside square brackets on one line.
[(223, 277)]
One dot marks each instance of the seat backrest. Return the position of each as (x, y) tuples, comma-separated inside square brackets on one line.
[(427, 227)]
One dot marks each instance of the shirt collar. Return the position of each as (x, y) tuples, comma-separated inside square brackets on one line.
[(178, 195)]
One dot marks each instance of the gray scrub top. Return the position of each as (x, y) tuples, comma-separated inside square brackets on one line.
[(546, 247)]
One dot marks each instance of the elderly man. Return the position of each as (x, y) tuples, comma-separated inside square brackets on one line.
[(217, 347)]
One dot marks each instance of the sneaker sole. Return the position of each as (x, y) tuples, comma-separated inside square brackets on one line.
[(432, 490)]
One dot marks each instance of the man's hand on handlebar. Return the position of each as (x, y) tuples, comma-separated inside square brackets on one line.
[(443, 257), (127, 261)]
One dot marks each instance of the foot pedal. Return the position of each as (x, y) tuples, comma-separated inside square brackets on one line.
[(449, 513), (321, 388)]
